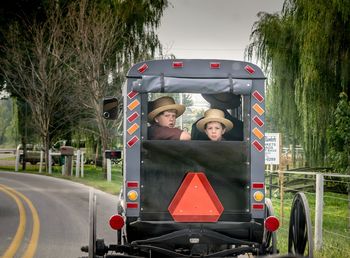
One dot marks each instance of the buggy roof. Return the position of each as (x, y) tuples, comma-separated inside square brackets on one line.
[(194, 76)]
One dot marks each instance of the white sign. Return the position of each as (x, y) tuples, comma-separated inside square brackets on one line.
[(272, 148)]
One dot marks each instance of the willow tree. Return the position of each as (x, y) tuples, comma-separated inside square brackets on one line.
[(107, 37), (305, 50)]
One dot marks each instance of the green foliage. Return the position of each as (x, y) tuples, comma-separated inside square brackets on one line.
[(305, 51), (339, 136)]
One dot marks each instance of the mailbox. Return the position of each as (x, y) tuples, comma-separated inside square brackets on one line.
[(113, 154), (67, 151)]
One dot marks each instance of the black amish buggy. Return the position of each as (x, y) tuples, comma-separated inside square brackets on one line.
[(196, 198)]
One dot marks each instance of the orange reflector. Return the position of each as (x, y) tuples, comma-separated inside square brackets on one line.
[(257, 133), (258, 196), (133, 128), (116, 222), (132, 195), (195, 201), (133, 104), (258, 109), (272, 223)]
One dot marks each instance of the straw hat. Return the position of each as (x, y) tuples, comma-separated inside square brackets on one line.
[(214, 115), (162, 104)]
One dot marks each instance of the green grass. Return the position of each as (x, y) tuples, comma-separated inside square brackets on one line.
[(93, 176)]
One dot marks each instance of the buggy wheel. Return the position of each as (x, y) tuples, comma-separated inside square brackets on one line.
[(92, 224), (300, 240), (269, 239)]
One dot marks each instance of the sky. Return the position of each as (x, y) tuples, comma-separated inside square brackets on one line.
[(217, 29)]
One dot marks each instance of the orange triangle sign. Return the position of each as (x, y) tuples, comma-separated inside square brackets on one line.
[(196, 200)]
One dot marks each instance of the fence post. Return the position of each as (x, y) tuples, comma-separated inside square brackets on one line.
[(50, 161), (109, 170), (319, 211), (270, 188), (17, 159), (82, 164), (41, 161), (281, 181), (77, 164)]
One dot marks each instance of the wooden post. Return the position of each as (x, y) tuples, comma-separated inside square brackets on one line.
[(318, 212), (281, 180)]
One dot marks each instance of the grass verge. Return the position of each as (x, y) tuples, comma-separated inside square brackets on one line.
[(93, 176)]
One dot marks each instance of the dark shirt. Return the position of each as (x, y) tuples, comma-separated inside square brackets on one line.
[(156, 132)]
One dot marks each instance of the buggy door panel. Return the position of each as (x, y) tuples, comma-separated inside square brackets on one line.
[(165, 163)]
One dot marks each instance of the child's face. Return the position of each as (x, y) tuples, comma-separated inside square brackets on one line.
[(214, 130), (166, 118)]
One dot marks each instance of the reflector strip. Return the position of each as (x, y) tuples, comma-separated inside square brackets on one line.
[(132, 205), (257, 145), (258, 185), (132, 141), (143, 68), (132, 117), (249, 69), (133, 104), (258, 96), (257, 133), (133, 128), (132, 184), (258, 121), (258, 206), (178, 64), (214, 65), (258, 109), (132, 94)]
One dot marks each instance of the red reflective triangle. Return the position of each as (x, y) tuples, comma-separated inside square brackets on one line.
[(195, 201)]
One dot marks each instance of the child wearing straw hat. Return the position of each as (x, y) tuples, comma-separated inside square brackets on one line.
[(162, 117), (214, 124)]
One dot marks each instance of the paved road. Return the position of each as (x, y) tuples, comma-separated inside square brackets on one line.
[(62, 224)]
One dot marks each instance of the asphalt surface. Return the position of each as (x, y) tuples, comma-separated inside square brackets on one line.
[(62, 207)]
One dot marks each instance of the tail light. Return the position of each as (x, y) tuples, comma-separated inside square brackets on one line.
[(116, 222), (272, 223)]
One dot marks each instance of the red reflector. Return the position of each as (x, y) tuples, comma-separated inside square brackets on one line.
[(132, 184), (132, 94), (116, 222), (132, 205), (214, 65), (249, 69), (272, 223), (195, 201), (143, 68), (258, 96), (258, 121), (132, 141), (178, 64), (132, 117), (258, 206), (258, 185), (257, 145)]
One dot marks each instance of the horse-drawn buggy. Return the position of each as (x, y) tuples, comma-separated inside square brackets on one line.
[(188, 195)]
